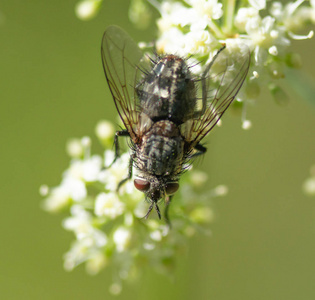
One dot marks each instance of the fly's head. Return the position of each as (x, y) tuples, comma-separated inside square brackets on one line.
[(156, 188)]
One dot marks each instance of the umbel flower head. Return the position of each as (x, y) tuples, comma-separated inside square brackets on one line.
[(109, 226), (198, 28)]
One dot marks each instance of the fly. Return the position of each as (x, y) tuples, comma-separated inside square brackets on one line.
[(166, 109)]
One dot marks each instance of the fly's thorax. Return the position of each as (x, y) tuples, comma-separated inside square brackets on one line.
[(161, 151), (168, 91)]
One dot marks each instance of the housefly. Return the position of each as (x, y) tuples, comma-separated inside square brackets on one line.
[(166, 109)]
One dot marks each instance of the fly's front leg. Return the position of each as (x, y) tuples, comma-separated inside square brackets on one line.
[(129, 173)]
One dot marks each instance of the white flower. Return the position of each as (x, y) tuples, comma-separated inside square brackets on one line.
[(114, 174), (96, 262), (292, 16), (75, 256), (199, 42), (104, 130), (57, 199), (91, 168), (244, 15), (60, 196), (156, 235), (198, 178), (246, 124), (108, 205), (115, 288), (266, 38), (122, 238), (171, 41), (87, 9), (259, 31), (174, 14), (258, 4), (221, 190), (207, 9), (87, 170), (75, 188), (312, 13), (309, 186), (75, 148), (81, 223)]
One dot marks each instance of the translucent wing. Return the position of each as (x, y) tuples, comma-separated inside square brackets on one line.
[(122, 66), (219, 85)]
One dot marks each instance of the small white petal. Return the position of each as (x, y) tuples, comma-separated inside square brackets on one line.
[(122, 238), (74, 148), (108, 205), (156, 235), (43, 190), (258, 4), (75, 187), (91, 168), (221, 190), (273, 50), (87, 9), (247, 124), (309, 186), (198, 178), (255, 74), (109, 156), (148, 246), (104, 130), (57, 199), (115, 289), (86, 141), (96, 263)]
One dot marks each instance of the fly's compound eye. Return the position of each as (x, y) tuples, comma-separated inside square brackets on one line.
[(142, 185), (171, 188)]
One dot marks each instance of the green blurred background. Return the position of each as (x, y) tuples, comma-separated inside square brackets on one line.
[(53, 88)]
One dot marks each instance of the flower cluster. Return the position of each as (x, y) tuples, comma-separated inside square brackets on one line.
[(109, 227), (200, 27)]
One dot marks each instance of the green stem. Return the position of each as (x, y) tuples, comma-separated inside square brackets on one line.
[(216, 29), (229, 8)]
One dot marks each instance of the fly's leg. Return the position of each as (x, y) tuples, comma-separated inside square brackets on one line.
[(129, 173), (116, 143), (153, 204), (200, 150), (168, 200), (117, 154), (199, 113)]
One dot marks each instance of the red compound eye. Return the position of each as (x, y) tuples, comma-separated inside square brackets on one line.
[(171, 188), (142, 185)]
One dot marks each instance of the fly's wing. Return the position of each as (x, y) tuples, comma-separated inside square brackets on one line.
[(219, 85), (122, 66)]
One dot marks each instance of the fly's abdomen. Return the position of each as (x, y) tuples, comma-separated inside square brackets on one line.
[(168, 91)]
